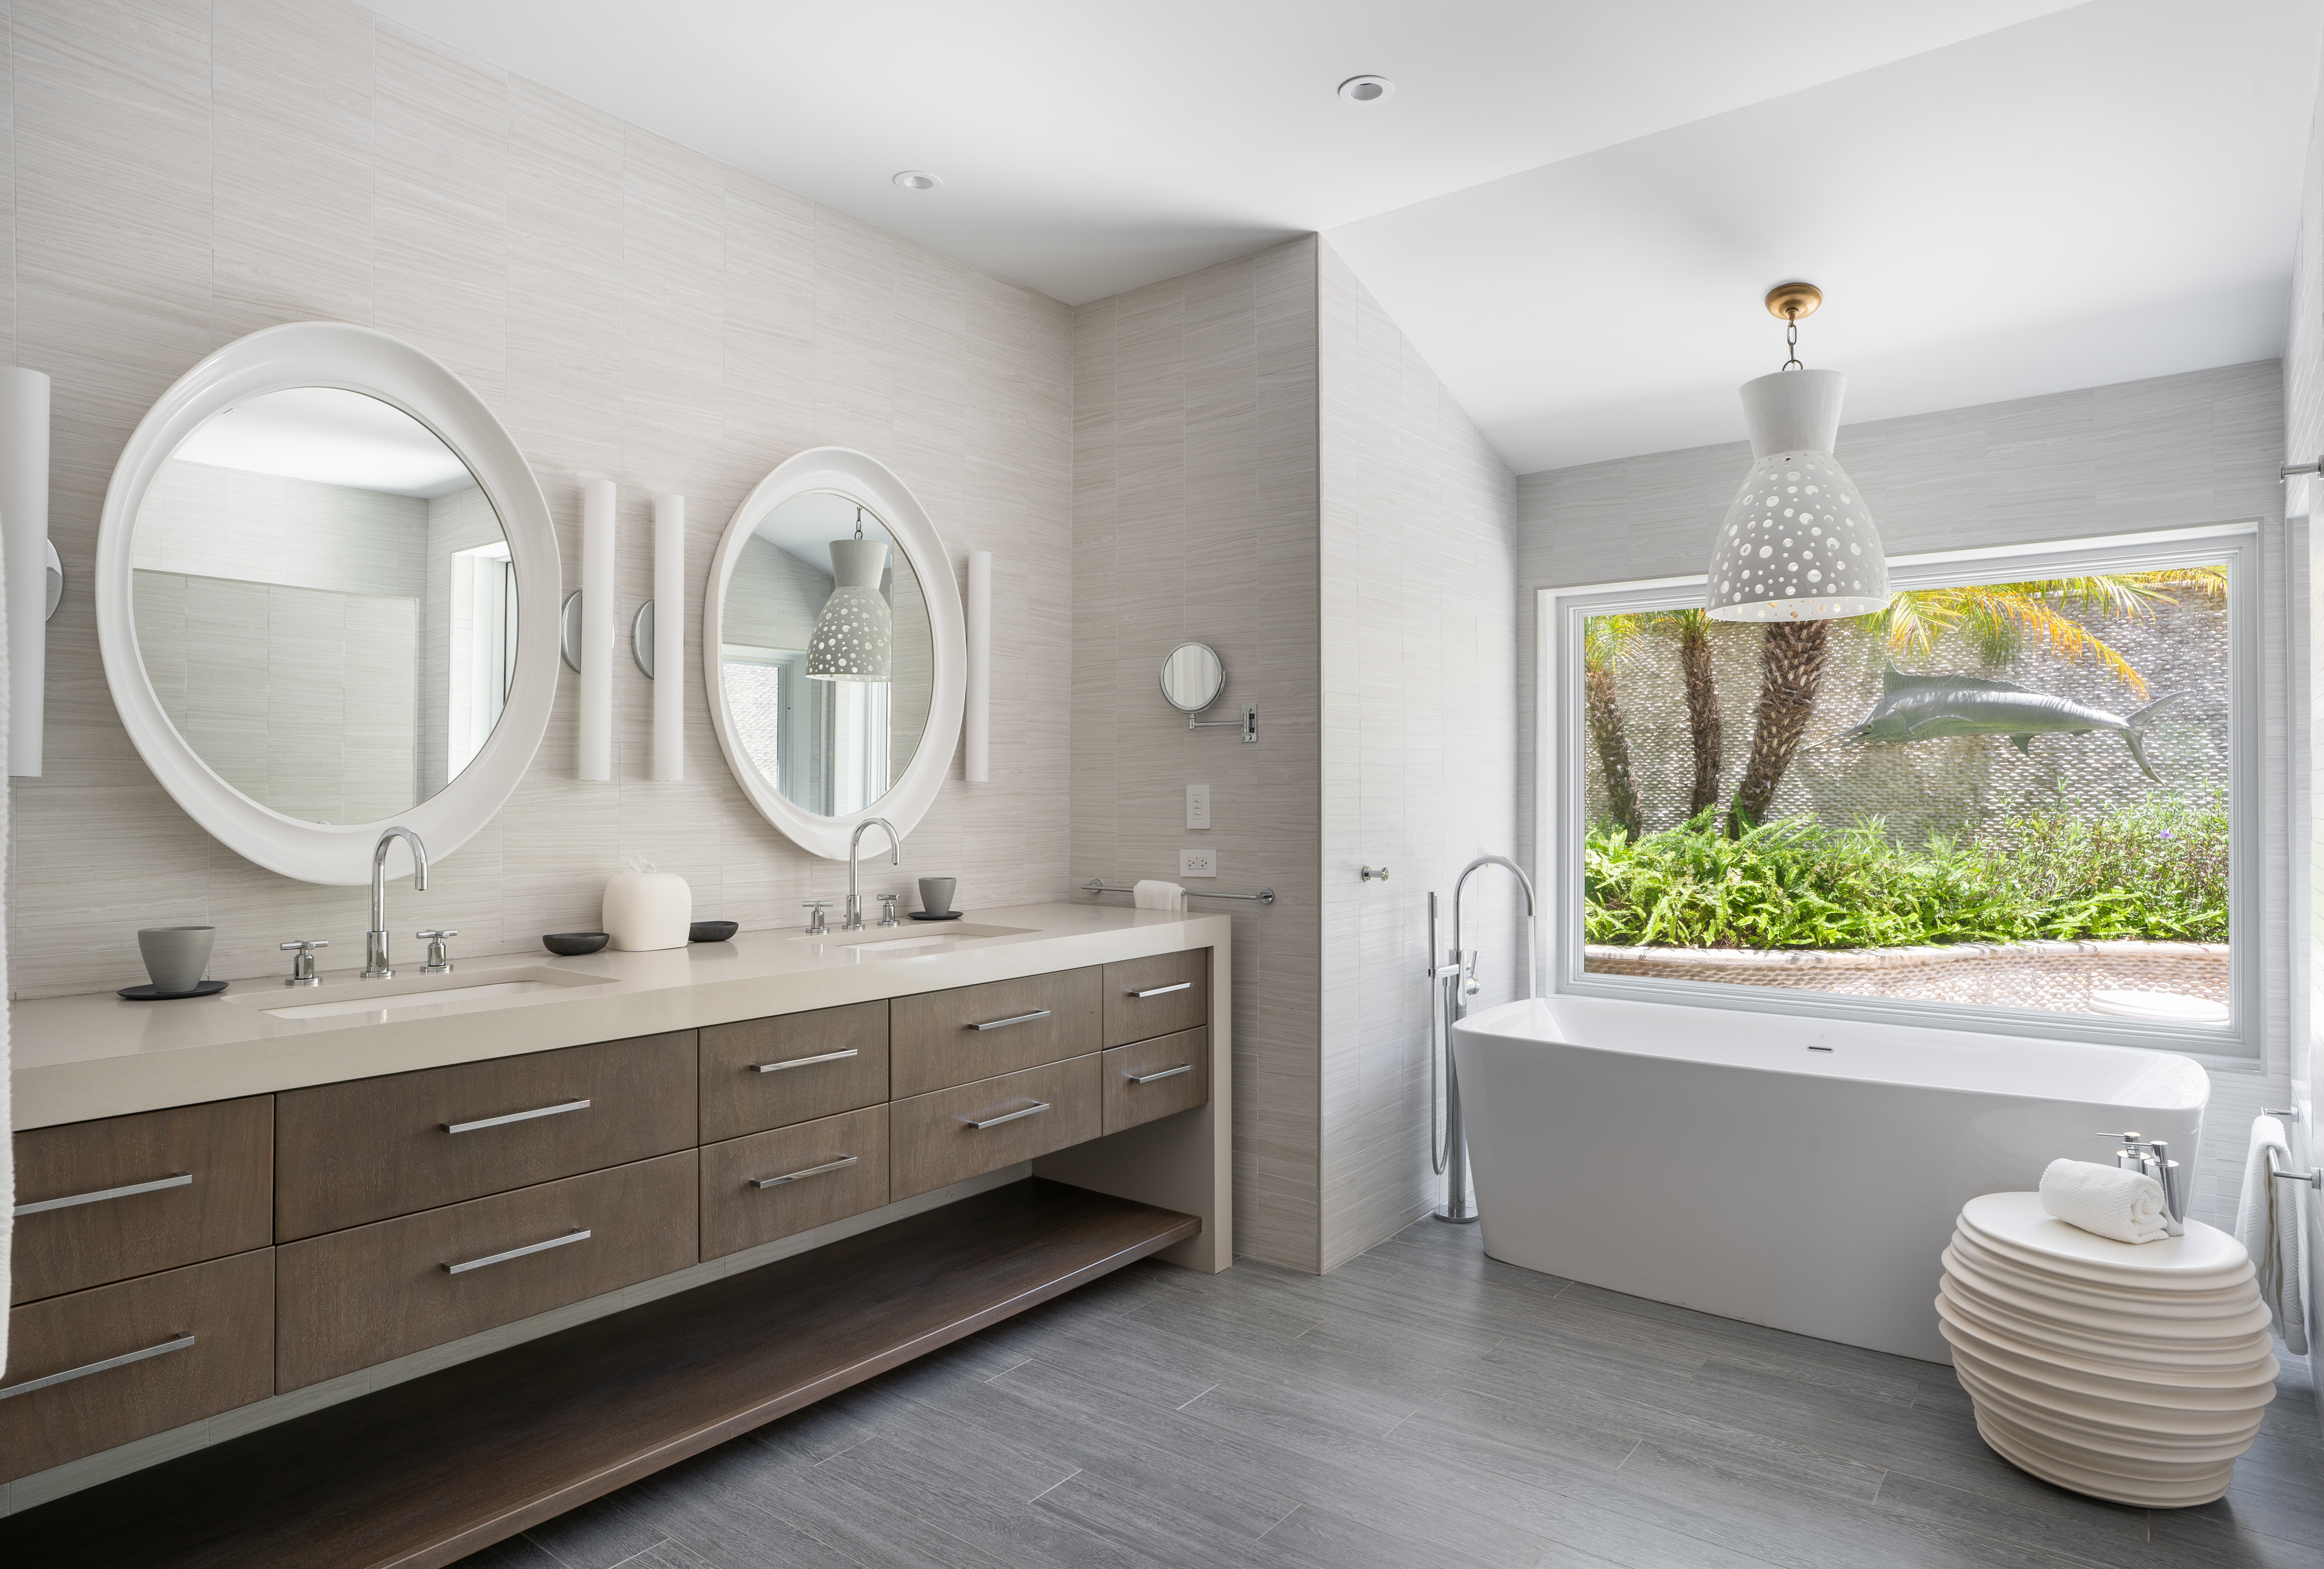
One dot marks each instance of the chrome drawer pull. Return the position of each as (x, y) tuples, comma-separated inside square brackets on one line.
[(1161, 991), (842, 1164), (1020, 1018), (1007, 1116), (183, 1179), (515, 1117), (178, 1343), (579, 1236), (776, 1067), (1167, 1073)]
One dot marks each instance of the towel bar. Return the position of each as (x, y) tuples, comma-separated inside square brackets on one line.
[(1099, 885), (2313, 1179)]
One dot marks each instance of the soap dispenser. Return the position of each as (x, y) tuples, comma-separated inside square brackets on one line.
[(647, 910)]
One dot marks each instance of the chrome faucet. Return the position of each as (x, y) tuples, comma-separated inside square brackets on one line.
[(1459, 966), (376, 965), (854, 921)]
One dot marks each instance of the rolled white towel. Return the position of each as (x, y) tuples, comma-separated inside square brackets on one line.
[(1152, 893), (2104, 1200), (2268, 1225)]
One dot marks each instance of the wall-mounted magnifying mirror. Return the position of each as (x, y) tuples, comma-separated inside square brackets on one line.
[(309, 599), (840, 662), (1193, 677)]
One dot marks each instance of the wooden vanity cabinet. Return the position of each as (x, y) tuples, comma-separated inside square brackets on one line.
[(938, 1040), (952, 1135), (123, 1196), (1161, 995), (369, 1149), (767, 1187), (1157, 1078)]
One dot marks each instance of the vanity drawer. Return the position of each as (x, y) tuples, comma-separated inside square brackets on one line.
[(941, 1039), (1176, 1069), (361, 1296), (769, 1073), (218, 1318), (1158, 995), (140, 1193), (362, 1151), (738, 1212), (933, 1140)]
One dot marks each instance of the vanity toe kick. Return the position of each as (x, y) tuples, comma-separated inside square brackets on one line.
[(953, 1135), (359, 1296)]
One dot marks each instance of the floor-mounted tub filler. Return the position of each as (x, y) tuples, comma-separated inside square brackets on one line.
[(1805, 1177)]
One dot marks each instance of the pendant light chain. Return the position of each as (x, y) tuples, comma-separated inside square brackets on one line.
[(1792, 339)]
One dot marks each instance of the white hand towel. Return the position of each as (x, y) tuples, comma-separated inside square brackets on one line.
[(2104, 1200), (1151, 893), (2270, 1225)]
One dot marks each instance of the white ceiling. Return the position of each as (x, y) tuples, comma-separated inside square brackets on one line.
[(1571, 207), (332, 436)]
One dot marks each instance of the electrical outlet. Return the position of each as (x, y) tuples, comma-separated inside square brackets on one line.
[(1198, 864), (1198, 806)]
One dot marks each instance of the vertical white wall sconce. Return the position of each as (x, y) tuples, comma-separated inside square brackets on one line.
[(669, 622), (976, 720), (597, 640), (29, 559)]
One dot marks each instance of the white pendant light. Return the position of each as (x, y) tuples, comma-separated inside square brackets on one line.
[(854, 638), (1797, 543)]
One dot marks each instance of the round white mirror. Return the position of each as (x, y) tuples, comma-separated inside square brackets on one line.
[(319, 582), (1192, 677), (839, 668)]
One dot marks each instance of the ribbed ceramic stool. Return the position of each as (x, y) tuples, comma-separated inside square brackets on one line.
[(2134, 1373)]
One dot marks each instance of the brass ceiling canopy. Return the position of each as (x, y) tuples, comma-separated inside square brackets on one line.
[(1790, 301)]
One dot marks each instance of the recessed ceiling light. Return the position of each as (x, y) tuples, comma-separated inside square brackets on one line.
[(1367, 89), (917, 179)]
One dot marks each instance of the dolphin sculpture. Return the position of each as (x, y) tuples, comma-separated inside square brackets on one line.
[(1924, 707)]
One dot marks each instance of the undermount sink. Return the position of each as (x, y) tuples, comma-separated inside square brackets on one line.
[(417, 996), (878, 942)]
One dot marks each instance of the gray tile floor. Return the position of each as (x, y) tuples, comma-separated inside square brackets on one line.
[(1421, 1405)]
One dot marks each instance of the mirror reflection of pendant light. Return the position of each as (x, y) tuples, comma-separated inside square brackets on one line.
[(1797, 543), (854, 637)]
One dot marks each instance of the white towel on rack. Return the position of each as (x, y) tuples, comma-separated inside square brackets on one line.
[(2269, 1224), (1152, 893), (2106, 1200)]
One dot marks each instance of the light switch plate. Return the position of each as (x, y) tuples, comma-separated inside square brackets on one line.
[(1198, 806), (1198, 864)]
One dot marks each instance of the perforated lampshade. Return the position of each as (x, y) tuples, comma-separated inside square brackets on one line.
[(1797, 543), (854, 635)]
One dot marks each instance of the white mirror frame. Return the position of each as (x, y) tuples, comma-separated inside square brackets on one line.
[(356, 359), (864, 478)]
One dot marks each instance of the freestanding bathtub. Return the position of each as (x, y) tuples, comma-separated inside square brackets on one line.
[(1796, 1173)]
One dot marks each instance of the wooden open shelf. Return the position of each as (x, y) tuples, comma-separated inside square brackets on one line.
[(425, 1472)]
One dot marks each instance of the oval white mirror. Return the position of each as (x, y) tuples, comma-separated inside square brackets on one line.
[(839, 663), (320, 578)]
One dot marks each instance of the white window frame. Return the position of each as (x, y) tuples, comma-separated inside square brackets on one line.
[(1561, 756)]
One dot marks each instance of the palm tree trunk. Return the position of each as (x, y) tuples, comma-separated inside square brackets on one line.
[(1792, 669), (1701, 712), (1612, 742)]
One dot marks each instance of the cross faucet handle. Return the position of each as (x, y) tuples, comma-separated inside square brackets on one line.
[(439, 951), (815, 927), (302, 968), (888, 908)]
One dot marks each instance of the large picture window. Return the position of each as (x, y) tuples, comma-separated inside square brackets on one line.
[(2013, 801)]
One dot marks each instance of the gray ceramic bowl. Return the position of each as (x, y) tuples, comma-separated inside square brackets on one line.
[(712, 931), (571, 945)]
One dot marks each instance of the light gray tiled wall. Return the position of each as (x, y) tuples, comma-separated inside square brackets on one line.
[(1194, 516), (2303, 441), (1419, 757), (2174, 451), (182, 172)]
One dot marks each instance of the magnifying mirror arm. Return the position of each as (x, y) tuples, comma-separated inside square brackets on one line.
[(1247, 724), (854, 921)]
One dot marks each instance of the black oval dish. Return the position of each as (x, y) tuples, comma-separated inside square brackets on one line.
[(712, 931), (151, 993), (573, 945), (948, 915)]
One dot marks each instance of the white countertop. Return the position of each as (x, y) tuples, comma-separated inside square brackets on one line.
[(101, 1056)]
